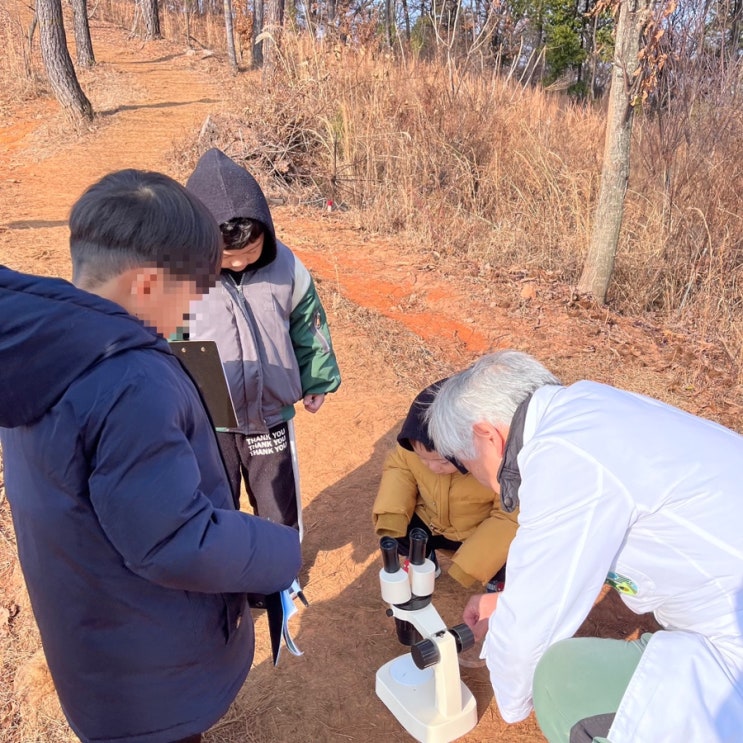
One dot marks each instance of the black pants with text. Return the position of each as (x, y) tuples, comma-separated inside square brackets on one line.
[(265, 462)]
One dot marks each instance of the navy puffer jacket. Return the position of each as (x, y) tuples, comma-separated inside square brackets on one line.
[(136, 563)]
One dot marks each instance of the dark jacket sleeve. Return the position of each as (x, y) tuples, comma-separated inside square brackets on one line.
[(310, 334), (147, 488)]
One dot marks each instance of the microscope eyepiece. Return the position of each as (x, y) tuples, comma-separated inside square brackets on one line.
[(390, 558), (418, 543)]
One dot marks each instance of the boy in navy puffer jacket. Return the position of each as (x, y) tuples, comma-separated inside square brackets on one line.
[(136, 561)]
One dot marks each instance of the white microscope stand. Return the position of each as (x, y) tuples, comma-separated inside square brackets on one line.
[(432, 704)]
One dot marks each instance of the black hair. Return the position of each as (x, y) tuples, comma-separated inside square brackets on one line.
[(133, 218), (238, 232)]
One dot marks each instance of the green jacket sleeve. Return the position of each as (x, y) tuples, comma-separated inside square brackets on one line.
[(396, 498), (308, 328)]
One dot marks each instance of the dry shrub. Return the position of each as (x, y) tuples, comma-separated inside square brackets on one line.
[(682, 244), (477, 167), (481, 169), (20, 72)]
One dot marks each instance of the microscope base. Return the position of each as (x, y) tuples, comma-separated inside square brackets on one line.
[(410, 695)]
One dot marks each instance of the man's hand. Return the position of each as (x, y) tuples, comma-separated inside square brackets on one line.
[(312, 403), (477, 613)]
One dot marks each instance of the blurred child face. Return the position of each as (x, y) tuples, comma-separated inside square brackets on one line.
[(162, 300), (239, 260), (433, 460)]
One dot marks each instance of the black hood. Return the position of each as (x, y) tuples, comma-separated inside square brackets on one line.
[(50, 334), (229, 191), (415, 427)]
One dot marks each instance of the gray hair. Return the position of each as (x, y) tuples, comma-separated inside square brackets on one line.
[(488, 391)]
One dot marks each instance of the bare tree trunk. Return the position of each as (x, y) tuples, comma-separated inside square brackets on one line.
[(29, 49), (274, 10), (257, 31), (151, 17), (406, 15), (735, 23), (388, 21), (607, 222), (83, 44), (230, 33), (593, 59), (187, 14), (58, 63)]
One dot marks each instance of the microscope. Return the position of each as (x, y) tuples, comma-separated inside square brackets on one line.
[(422, 688)]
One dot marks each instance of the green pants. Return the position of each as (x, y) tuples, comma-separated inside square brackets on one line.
[(582, 678)]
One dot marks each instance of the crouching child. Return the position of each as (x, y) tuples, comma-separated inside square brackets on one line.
[(420, 488)]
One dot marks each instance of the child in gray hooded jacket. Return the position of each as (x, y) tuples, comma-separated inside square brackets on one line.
[(272, 334)]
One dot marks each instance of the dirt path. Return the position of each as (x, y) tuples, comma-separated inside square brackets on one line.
[(419, 319), (147, 97)]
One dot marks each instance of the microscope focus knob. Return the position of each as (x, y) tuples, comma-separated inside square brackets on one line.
[(464, 636), (425, 654)]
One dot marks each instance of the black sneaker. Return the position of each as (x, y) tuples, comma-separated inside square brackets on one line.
[(497, 583), (494, 586)]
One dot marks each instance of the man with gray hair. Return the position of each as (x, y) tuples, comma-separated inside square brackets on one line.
[(612, 487)]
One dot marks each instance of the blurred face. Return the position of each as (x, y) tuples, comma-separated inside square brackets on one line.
[(433, 460), (238, 260), (152, 294), (162, 300)]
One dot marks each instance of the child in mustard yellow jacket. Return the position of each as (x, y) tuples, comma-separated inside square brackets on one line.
[(420, 488)]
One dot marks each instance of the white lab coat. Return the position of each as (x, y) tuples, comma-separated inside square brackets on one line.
[(613, 481)]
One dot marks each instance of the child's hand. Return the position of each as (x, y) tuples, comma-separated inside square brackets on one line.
[(312, 403), (477, 613)]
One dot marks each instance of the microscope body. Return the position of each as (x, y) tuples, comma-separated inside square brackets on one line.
[(422, 688)]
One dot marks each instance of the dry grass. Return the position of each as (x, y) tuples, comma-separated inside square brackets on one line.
[(20, 73), (29, 708), (483, 170), (22, 78), (473, 165), (460, 159)]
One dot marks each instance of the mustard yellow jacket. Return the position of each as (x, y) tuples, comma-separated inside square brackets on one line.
[(455, 506)]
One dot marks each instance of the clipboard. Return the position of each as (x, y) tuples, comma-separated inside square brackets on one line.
[(280, 609), (201, 360)]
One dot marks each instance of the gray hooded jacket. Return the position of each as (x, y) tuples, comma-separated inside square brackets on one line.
[(269, 325)]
